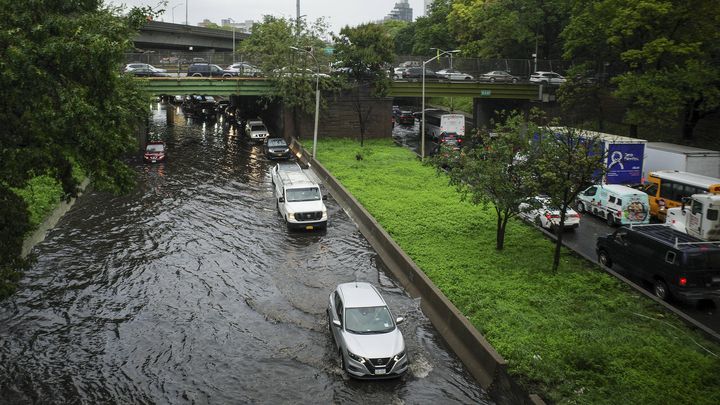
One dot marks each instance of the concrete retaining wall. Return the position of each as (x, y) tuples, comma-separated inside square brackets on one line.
[(481, 359), (50, 222)]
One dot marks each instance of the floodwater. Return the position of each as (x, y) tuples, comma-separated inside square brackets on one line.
[(191, 290)]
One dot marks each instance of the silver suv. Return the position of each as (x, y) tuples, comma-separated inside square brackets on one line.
[(369, 343)]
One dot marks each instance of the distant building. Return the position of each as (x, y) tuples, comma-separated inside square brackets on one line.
[(205, 23), (245, 26), (401, 12), (428, 3)]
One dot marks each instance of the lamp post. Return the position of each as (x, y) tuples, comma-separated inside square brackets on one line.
[(233, 27), (173, 11), (186, 7), (422, 122), (317, 96)]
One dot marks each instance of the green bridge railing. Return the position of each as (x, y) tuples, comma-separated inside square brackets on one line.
[(261, 87)]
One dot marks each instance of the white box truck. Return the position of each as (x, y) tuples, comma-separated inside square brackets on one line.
[(668, 156)]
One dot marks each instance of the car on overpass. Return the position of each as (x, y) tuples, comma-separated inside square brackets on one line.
[(498, 76), (453, 74), (245, 69), (139, 65), (209, 70)]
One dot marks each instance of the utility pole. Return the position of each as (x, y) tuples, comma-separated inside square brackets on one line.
[(297, 17)]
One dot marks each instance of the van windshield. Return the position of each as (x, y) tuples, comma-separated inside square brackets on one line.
[(702, 260), (303, 194)]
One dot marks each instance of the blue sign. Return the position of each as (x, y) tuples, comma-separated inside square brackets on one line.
[(625, 163)]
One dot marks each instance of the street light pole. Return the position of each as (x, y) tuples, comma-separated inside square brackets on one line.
[(233, 27), (317, 96), (422, 122), (173, 11), (186, 8)]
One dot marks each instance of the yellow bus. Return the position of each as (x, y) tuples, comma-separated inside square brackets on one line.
[(669, 187)]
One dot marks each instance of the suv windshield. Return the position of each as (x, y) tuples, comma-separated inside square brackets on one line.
[(155, 148), (303, 194), (258, 128), (368, 320)]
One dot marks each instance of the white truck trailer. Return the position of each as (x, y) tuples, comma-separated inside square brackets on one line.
[(668, 156)]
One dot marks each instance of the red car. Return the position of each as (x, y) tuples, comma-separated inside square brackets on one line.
[(154, 152)]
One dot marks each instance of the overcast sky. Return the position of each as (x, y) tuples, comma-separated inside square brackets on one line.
[(338, 13)]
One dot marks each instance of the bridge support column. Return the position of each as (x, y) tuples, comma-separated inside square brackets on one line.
[(170, 114), (485, 110)]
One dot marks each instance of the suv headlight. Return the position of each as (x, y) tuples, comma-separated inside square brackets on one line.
[(356, 357), (399, 356)]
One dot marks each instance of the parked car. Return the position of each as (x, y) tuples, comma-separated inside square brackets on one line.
[(147, 72), (416, 73), (547, 78), (406, 118), (540, 211), (245, 69), (256, 130), (369, 343), (276, 148), (208, 70), (138, 65), (398, 71), (154, 152), (499, 76), (452, 74), (674, 263)]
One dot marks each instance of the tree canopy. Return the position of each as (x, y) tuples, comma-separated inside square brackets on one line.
[(64, 102)]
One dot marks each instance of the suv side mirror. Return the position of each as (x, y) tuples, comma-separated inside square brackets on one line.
[(399, 320), (324, 197), (281, 199), (337, 323)]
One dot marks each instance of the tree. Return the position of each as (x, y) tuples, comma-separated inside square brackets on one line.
[(364, 52), (495, 170), (63, 101), (510, 28), (291, 71), (664, 54), (567, 161)]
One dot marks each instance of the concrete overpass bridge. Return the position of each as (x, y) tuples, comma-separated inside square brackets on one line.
[(161, 36)]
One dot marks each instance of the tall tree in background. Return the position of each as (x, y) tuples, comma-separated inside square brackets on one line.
[(63, 101), (510, 28), (664, 53), (491, 172), (567, 161), (291, 71), (364, 52), (431, 31)]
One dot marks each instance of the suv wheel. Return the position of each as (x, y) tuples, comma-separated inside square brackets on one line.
[(197, 75), (514, 80), (342, 360), (492, 80), (604, 259), (226, 76), (660, 289)]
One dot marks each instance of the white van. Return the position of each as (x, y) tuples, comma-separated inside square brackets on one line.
[(299, 199), (617, 204)]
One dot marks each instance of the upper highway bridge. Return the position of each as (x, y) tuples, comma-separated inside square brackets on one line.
[(263, 86)]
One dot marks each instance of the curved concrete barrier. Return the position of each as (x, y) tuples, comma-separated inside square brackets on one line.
[(482, 360)]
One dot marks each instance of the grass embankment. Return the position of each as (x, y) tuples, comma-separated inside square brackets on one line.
[(578, 336)]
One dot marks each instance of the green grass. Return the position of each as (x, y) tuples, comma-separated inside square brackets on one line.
[(464, 104), (576, 337)]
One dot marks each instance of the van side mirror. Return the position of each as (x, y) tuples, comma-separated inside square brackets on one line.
[(324, 197), (281, 199)]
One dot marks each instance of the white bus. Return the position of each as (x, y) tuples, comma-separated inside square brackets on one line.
[(440, 121)]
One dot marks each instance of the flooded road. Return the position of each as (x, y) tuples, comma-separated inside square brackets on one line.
[(191, 290)]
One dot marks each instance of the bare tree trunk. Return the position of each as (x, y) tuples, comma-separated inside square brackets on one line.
[(500, 232)]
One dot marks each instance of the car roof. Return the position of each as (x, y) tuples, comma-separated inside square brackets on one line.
[(360, 294)]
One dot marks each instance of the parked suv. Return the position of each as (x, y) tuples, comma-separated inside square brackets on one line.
[(208, 70), (547, 78), (368, 341), (676, 264)]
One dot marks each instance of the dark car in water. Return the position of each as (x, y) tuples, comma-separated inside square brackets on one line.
[(276, 148), (406, 118), (154, 152)]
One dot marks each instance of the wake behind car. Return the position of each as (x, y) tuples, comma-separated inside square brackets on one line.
[(154, 152), (366, 335), (298, 198), (276, 148)]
